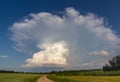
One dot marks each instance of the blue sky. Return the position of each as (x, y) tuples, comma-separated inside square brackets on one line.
[(15, 11)]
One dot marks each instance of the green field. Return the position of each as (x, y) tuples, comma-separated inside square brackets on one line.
[(17, 77), (84, 78), (66, 76), (87, 73)]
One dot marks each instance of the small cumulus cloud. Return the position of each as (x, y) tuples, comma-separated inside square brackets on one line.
[(94, 64), (41, 34), (100, 53)]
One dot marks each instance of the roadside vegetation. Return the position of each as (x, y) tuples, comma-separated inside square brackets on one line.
[(18, 77), (84, 78)]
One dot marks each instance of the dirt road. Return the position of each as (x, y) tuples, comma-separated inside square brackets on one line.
[(44, 79)]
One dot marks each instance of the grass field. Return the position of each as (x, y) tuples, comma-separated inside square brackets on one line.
[(66, 76), (17, 77), (84, 78), (87, 73)]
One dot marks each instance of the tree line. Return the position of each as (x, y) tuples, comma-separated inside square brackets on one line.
[(113, 65)]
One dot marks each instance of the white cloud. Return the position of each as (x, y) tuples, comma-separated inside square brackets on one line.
[(93, 64), (81, 33), (100, 53), (52, 53), (3, 56)]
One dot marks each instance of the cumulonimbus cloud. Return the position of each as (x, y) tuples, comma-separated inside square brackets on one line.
[(83, 34)]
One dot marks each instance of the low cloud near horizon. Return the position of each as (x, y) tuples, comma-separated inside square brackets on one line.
[(69, 40), (3, 56)]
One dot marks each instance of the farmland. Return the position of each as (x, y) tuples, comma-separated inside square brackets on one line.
[(84, 78), (17, 77), (64, 76)]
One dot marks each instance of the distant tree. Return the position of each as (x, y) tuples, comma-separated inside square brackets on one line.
[(114, 64), (6, 71), (106, 68)]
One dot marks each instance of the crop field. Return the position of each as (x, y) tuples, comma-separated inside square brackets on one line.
[(68, 76), (17, 77), (84, 78)]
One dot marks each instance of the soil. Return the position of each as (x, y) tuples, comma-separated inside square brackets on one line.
[(44, 79)]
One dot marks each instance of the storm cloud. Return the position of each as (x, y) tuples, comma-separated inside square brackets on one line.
[(72, 39)]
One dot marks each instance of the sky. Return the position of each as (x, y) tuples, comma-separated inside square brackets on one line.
[(58, 35)]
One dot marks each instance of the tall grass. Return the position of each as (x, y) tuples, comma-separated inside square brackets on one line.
[(84, 78), (16, 77)]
